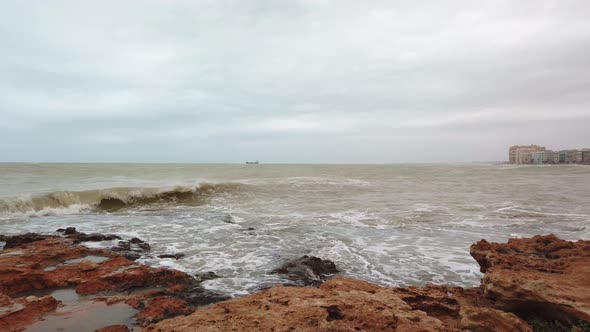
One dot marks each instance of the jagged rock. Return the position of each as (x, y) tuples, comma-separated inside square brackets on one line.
[(135, 277), (18, 240), (132, 256), (144, 246), (175, 256), (70, 231), (344, 304), (93, 237), (122, 246), (18, 317), (133, 245), (203, 276), (114, 328), (460, 309), (161, 308), (196, 295), (307, 270), (77, 237), (114, 280), (87, 265), (543, 274)]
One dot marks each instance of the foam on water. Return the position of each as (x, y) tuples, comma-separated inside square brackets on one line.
[(389, 224)]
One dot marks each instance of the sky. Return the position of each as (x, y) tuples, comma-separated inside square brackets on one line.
[(302, 81)]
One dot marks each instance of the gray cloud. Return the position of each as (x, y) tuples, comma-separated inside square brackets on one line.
[(292, 81)]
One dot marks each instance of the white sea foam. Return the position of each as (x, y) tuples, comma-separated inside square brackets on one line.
[(407, 225)]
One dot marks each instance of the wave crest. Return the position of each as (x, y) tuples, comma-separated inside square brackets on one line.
[(108, 200)]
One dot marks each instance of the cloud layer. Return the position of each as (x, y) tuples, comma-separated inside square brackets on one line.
[(291, 81)]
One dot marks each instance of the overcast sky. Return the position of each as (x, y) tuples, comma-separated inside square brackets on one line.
[(291, 81)]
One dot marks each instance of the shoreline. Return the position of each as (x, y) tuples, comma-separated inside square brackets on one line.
[(527, 283)]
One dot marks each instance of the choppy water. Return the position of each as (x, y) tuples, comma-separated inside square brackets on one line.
[(390, 224)]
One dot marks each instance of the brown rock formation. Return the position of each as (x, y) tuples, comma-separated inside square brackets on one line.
[(25, 312), (307, 270), (39, 262), (544, 275), (164, 307), (114, 328), (344, 304)]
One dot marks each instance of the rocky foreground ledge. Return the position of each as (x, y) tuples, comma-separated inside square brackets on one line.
[(531, 284)]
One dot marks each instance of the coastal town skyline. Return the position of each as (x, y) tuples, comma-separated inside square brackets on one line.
[(536, 154)]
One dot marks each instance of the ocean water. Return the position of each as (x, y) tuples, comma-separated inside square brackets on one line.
[(389, 224)]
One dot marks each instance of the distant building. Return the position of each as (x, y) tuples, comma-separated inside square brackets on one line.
[(574, 157), (524, 156), (525, 150), (553, 157), (545, 157), (562, 156), (535, 154), (539, 157)]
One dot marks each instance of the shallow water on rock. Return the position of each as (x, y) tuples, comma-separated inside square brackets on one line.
[(92, 258), (12, 253), (81, 314)]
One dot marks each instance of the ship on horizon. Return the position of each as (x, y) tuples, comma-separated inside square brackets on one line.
[(252, 162)]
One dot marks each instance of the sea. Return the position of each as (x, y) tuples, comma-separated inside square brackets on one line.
[(394, 225)]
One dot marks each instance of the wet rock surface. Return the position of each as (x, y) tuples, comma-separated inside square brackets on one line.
[(25, 311), (204, 276), (43, 263), (344, 304), (130, 247), (175, 256), (307, 270), (78, 237), (18, 240), (114, 328), (197, 295), (542, 275)]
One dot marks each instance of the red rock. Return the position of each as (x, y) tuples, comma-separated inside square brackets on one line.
[(5, 300), (163, 307), (114, 328), (16, 319), (543, 274), (25, 269), (141, 276), (87, 265), (343, 304)]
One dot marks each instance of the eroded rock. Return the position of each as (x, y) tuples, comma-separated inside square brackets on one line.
[(57, 263), (544, 275), (78, 237), (19, 240), (344, 304), (175, 256), (203, 276), (161, 308), (114, 328), (307, 270), (17, 318)]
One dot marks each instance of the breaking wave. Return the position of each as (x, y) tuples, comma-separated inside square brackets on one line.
[(108, 200)]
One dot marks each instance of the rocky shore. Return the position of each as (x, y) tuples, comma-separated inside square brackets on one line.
[(53, 281)]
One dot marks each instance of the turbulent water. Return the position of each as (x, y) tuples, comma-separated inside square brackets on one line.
[(389, 224)]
